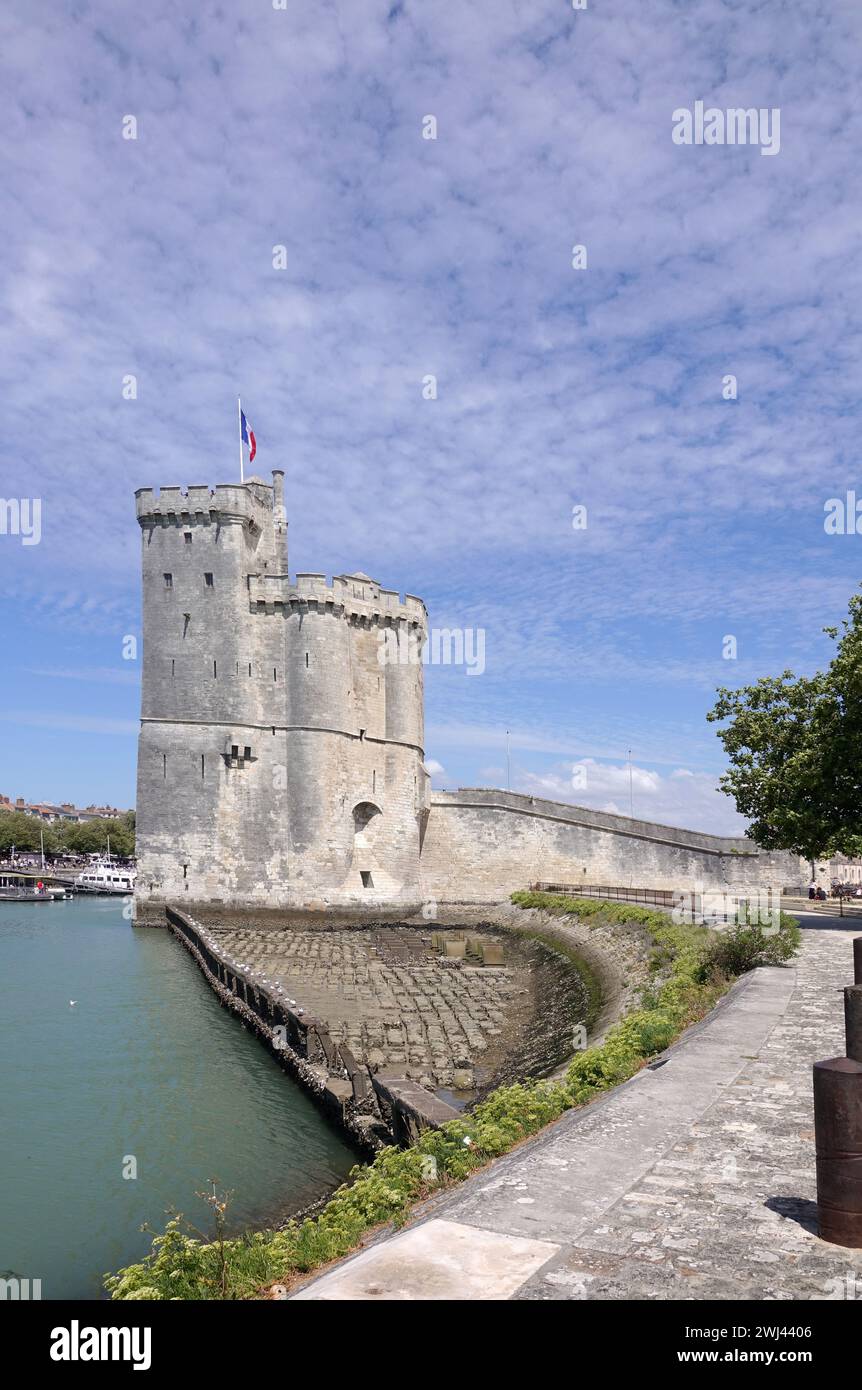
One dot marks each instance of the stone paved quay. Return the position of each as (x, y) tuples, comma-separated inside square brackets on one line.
[(389, 996), (692, 1181)]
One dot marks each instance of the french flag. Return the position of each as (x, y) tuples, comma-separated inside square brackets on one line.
[(247, 436)]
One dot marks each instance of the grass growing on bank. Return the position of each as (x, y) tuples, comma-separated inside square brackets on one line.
[(690, 974)]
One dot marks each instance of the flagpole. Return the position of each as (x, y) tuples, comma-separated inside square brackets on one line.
[(239, 422)]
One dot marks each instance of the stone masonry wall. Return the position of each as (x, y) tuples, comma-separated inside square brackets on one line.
[(482, 845)]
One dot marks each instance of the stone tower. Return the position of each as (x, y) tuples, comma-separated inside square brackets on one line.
[(280, 759)]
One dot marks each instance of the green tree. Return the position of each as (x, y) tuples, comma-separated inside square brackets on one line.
[(795, 751), (22, 831), (91, 837)]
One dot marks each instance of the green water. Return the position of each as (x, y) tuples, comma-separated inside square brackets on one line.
[(148, 1064)]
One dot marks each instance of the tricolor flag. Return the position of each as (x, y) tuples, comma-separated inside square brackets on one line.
[(247, 435)]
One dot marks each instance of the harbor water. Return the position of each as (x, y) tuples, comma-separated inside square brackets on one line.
[(116, 1059)]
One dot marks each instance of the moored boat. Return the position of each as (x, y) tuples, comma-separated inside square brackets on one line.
[(105, 877), (24, 888)]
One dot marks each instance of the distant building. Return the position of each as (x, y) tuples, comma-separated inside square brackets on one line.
[(48, 812), (840, 869)]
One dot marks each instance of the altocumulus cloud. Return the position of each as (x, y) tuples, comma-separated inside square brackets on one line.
[(452, 257)]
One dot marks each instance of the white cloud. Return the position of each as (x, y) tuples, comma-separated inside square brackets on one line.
[(681, 798)]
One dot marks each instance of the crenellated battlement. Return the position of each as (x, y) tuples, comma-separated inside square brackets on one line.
[(348, 594), (227, 501), (260, 507)]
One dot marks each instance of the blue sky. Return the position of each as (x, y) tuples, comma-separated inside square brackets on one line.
[(302, 127)]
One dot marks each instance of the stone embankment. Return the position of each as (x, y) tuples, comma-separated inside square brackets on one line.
[(408, 1001), (393, 1030), (615, 955), (299, 1041)]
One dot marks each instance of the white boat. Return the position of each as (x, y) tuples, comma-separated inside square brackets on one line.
[(105, 877)]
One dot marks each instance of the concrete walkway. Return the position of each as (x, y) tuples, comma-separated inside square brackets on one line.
[(693, 1180)]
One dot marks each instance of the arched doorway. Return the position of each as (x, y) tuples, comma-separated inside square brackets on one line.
[(367, 820)]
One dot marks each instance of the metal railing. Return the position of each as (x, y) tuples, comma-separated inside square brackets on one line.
[(651, 897)]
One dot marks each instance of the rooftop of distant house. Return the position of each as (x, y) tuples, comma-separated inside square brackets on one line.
[(48, 811)]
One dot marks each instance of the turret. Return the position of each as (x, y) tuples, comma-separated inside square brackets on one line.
[(279, 516)]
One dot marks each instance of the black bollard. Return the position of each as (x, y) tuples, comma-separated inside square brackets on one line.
[(838, 1141), (853, 1021), (857, 959)]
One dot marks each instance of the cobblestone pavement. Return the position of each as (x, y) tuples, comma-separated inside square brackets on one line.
[(388, 995), (692, 1181)]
